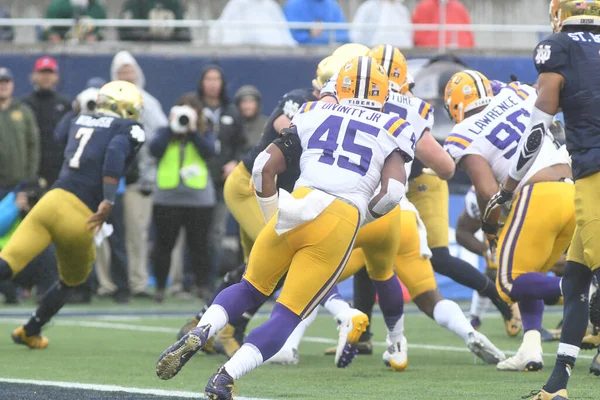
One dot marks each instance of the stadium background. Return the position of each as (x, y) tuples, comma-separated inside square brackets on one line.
[(502, 49)]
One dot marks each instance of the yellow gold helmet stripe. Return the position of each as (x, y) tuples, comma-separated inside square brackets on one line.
[(478, 83), (388, 58)]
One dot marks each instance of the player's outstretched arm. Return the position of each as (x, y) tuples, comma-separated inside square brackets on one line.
[(393, 181), (466, 227), (433, 155)]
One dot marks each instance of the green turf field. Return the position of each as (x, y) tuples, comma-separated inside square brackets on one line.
[(122, 350)]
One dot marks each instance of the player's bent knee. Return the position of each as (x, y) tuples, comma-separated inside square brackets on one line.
[(591, 247)]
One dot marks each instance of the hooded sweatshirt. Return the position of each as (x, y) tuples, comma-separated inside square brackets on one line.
[(253, 126), (153, 118)]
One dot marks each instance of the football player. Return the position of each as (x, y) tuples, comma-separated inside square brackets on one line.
[(483, 143), (565, 62), (100, 148), (345, 152), (244, 207)]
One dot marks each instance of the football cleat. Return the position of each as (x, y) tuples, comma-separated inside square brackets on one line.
[(514, 325), (550, 335), (228, 341), (221, 386), (481, 346), (396, 355), (286, 356), (363, 349), (543, 395), (351, 324), (595, 366), (19, 336), (209, 347), (527, 359), (177, 355)]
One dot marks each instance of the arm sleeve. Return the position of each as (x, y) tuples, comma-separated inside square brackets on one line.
[(9, 212), (118, 151), (205, 144), (159, 143), (33, 143)]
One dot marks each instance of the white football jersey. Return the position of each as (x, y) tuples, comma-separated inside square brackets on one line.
[(495, 132), (417, 112), (344, 149)]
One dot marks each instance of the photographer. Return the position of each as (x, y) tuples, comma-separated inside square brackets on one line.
[(42, 271), (184, 195)]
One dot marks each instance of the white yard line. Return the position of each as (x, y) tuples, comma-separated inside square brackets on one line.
[(114, 388), (310, 339)]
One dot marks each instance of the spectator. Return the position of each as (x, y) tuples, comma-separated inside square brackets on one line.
[(49, 107), (225, 122), (138, 203), (315, 11), (7, 33), (19, 138), (232, 31), (42, 271), (428, 12), (248, 102), (184, 195), (385, 14), (156, 11), (84, 12)]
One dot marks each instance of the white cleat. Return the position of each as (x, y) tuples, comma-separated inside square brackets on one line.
[(396, 355), (481, 346), (286, 356), (351, 324), (527, 360)]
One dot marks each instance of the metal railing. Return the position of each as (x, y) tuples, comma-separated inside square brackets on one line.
[(332, 28)]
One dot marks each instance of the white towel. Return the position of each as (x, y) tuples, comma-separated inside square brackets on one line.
[(294, 212), (105, 232), (406, 205)]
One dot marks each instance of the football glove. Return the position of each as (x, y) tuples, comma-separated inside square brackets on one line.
[(497, 200), (491, 235)]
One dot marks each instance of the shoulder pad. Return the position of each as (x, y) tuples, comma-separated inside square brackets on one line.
[(291, 101), (134, 130), (551, 55), (306, 107)]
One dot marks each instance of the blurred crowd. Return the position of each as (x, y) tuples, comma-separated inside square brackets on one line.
[(263, 23), (169, 221)]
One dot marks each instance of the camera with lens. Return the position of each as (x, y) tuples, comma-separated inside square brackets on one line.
[(182, 117), (87, 100)]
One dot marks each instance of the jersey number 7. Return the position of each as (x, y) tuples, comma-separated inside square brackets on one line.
[(84, 135), (330, 128)]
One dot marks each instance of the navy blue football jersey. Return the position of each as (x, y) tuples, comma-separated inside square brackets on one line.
[(97, 146), (288, 105), (576, 56)]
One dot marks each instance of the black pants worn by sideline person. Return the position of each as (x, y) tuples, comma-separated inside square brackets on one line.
[(196, 221)]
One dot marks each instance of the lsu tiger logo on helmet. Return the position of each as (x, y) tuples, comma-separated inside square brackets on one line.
[(362, 82), (394, 63), (466, 91), (120, 98), (574, 12)]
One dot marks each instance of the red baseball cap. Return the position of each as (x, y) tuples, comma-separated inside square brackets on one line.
[(45, 64)]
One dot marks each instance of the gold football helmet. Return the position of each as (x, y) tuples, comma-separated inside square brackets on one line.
[(466, 91), (348, 51), (393, 61), (328, 67), (120, 98), (362, 82), (574, 12)]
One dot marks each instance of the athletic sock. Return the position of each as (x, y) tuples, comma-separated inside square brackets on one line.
[(52, 301), (364, 298), (532, 312), (448, 314), (246, 359), (479, 305), (5, 270), (391, 302), (334, 303), (575, 287), (270, 337), (216, 316), (294, 340)]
